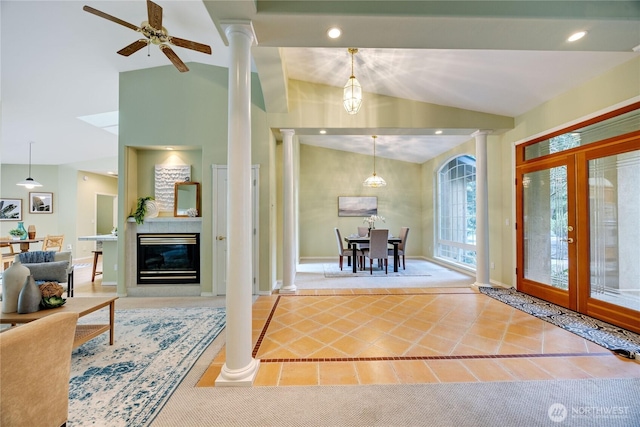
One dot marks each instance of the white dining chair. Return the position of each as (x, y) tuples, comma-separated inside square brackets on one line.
[(378, 248)]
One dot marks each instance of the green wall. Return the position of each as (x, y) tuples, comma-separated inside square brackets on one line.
[(160, 107)]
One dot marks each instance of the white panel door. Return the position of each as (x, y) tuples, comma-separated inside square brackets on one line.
[(219, 200)]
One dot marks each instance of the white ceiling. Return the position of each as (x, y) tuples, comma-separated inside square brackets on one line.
[(59, 62)]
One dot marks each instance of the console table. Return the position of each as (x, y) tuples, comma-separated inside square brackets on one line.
[(80, 305)]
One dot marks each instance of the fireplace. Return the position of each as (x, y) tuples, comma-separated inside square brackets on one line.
[(168, 258)]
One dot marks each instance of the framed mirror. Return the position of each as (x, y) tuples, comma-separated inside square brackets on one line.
[(186, 197)]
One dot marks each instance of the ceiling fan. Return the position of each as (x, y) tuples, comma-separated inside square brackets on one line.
[(156, 34)]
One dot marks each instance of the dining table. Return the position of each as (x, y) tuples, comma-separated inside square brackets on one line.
[(24, 243), (354, 240)]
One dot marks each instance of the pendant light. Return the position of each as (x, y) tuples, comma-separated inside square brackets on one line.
[(374, 181), (352, 95), (29, 182)]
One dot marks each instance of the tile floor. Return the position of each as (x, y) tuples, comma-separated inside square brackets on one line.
[(382, 336)]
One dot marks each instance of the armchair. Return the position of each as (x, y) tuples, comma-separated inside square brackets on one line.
[(59, 268), (35, 365)]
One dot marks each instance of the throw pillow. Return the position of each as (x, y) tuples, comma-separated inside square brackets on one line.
[(50, 271)]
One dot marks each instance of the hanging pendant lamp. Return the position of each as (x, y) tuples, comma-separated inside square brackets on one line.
[(29, 182), (352, 95), (374, 181)]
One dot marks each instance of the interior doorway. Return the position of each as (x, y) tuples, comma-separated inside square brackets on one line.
[(106, 213)]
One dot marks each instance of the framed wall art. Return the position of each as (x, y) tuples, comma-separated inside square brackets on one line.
[(357, 206), (10, 209), (40, 203)]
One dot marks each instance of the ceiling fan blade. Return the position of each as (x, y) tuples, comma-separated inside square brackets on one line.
[(188, 44), (155, 15), (110, 18), (133, 47), (174, 58)]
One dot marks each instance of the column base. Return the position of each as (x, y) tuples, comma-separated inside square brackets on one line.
[(478, 285), (288, 290), (238, 377)]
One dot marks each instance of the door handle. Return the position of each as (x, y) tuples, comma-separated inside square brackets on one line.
[(221, 238)]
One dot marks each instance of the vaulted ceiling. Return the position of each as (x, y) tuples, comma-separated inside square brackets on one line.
[(59, 63)]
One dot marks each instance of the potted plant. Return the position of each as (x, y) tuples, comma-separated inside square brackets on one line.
[(142, 208), (15, 233)]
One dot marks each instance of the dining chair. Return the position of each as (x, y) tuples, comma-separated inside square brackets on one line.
[(343, 252), (378, 248), (53, 242), (8, 255), (404, 232)]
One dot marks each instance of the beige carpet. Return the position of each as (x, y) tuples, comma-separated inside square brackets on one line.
[(312, 275)]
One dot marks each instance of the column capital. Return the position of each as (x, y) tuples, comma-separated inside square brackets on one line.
[(482, 132), (287, 131), (239, 26)]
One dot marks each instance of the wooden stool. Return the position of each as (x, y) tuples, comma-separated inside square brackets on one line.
[(96, 254)]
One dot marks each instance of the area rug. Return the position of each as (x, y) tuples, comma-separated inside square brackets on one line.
[(128, 383), (618, 340), (333, 270)]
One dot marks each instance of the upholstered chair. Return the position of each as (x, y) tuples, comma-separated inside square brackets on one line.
[(404, 232), (49, 266), (378, 248), (345, 252)]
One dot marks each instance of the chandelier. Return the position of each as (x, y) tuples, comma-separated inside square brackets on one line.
[(374, 181), (29, 182), (352, 95)]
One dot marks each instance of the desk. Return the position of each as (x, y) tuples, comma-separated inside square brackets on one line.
[(24, 244), (82, 306), (109, 256), (353, 241)]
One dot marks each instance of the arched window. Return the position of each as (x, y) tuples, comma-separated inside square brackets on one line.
[(456, 212)]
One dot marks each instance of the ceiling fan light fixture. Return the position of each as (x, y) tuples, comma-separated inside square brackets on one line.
[(29, 182), (374, 181), (352, 94)]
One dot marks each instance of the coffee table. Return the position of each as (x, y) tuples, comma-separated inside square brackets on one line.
[(80, 305)]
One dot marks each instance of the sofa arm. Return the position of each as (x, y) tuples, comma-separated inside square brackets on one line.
[(35, 365)]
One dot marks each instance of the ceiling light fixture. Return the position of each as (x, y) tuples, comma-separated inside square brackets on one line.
[(438, 132), (334, 32), (576, 36), (352, 95), (374, 181), (29, 182)]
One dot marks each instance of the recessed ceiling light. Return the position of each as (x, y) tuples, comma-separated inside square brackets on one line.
[(322, 132), (334, 32), (438, 132), (168, 148), (577, 36)]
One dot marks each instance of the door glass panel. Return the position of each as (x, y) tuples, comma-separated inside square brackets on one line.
[(614, 215), (545, 227)]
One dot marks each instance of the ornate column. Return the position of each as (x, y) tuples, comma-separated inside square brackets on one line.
[(240, 368), (289, 237), (482, 210)]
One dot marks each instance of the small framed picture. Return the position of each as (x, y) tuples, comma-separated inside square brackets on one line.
[(40, 203), (10, 209)]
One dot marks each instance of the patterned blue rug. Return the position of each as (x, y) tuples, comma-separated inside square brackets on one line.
[(621, 341), (128, 383)]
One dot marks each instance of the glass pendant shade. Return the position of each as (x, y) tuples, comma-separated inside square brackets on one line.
[(374, 181), (352, 94), (29, 182)]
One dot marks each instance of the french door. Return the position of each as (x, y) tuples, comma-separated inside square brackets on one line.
[(578, 229)]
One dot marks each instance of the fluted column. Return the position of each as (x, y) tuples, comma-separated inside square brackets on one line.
[(289, 237), (240, 368), (482, 210)]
